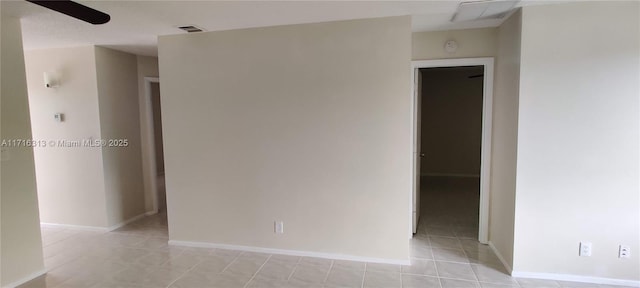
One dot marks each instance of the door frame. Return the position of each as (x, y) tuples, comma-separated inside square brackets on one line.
[(149, 166), (487, 117)]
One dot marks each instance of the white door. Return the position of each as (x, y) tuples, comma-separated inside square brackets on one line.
[(417, 82)]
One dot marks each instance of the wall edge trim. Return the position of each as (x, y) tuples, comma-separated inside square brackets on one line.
[(333, 256), (125, 222), (575, 278), (26, 279), (75, 227), (501, 258)]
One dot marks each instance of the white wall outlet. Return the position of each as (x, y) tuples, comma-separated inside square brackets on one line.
[(624, 251), (585, 249), (278, 227)]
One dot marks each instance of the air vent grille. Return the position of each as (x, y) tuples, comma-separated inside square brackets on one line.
[(191, 28), (478, 10)]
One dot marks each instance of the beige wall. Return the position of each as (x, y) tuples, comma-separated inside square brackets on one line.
[(304, 123), (504, 140), (471, 43), (21, 241), (451, 121), (147, 67), (120, 119), (97, 187), (578, 141), (70, 180)]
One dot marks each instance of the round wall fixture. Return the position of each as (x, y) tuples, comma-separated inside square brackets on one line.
[(451, 46)]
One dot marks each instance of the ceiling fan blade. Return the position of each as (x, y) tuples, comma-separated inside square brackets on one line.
[(75, 10)]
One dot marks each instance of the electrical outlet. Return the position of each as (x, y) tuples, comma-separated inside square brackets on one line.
[(624, 251), (585, 249), (278, 227)]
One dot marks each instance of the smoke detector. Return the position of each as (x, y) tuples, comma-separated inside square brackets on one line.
[(190, 28), (479, 10)]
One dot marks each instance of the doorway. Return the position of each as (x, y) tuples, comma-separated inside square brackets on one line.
[(154, 152), (452, 143)]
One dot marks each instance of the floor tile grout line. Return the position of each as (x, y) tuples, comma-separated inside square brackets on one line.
[(258, 271), (435, 265), (295, 267), (328, 272), (230, 263), (472, 270), (364, 274), (184, 273)]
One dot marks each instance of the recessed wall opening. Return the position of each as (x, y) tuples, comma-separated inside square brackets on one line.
[(452, 134), (159, 151), (450, 146)]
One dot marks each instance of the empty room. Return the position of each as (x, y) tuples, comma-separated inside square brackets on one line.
[(435, 144)]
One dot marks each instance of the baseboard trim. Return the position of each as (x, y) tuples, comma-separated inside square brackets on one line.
[(125, 222), (26, 279), (501, 258), (290, 252), (451, 175), (149, 213), (575, 278), (74, 227)]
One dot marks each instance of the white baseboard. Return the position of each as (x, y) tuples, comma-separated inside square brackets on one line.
[(75, 227), (125, 222), (26, 279), (149, 213), (501, 258), (576, 278), (95, 228), (451, 175), (290, 252)]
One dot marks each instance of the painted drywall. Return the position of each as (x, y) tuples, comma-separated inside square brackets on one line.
[(578, 130), (147, 67), (66, 198), (306, 124), (471, 43), (504, 138), (120, 120), (21, 241), (451, 121)]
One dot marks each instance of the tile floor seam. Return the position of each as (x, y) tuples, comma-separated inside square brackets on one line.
[(328, 272), (256, 273), (437, 272), (294, 269), (364, 275), (182, 275), (232, 261)]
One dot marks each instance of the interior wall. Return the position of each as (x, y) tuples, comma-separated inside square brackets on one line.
[(578, 139), (21, 242), (451, 121), (328, 151), (147, 67), (120, 120), (505, 136), (471, 43), (70, 180)]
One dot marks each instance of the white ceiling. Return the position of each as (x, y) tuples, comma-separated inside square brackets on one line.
[(135, 25)]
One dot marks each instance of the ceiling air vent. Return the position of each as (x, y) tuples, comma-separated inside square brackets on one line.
[(191, 28), (479, 10)]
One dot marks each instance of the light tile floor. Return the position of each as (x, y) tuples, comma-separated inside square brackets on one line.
[(445, 253)]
